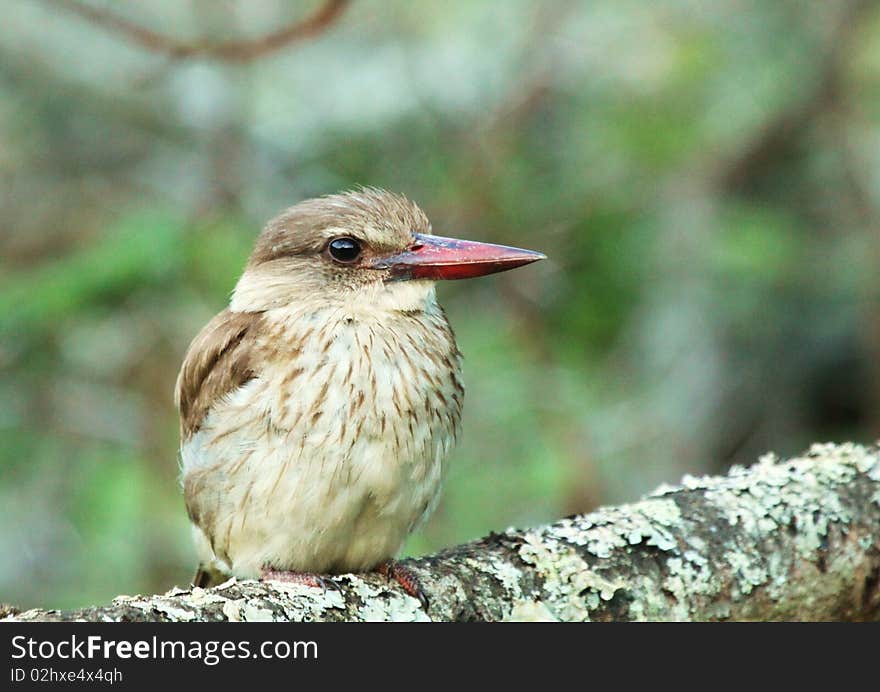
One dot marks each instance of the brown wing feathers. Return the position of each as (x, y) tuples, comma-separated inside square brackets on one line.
[(219, 360)]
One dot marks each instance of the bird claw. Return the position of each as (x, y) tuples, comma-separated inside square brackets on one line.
[(391, 570), (304, 578), (407, 579)]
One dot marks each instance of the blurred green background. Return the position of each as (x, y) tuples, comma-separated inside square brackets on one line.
[(704, 176)]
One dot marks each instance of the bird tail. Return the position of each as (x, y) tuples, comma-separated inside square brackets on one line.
[(206, 577)]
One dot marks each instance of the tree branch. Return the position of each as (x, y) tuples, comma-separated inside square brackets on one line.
[(230, 51), (793, 540)]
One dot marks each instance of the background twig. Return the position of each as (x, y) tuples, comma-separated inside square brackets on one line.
[(233, 51)]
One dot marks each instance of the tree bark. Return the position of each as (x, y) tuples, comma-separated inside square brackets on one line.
[(792, 540)]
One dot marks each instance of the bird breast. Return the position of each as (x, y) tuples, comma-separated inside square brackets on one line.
[(330, 456)]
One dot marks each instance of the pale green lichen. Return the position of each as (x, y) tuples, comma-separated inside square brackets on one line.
[(382, 605), (174, 612), (748, 570), (507, 575), (777, 540), (232, 609), (759, 502), (776, 584), (664, 512), (574, 589), (608, 530), (565, 576), (530, 611), (502, 571), (203, 597), (253, 613)]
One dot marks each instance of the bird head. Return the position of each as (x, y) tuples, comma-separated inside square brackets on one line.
[(362, 246)]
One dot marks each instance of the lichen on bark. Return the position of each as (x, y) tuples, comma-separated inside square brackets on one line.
[(796, 540)]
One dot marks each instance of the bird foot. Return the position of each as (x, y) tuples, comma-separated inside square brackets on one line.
[(305, 578), (404, 576)]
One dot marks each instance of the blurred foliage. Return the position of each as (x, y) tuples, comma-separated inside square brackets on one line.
[(704, 176)]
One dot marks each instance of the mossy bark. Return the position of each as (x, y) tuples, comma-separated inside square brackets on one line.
[(782, 540)]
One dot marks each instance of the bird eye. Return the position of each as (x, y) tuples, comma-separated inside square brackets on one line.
[(345, 250)]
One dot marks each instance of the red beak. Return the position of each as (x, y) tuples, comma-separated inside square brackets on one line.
[(435, 257)]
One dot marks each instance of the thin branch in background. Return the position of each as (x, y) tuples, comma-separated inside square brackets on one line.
[(734, 172), (231, 51)]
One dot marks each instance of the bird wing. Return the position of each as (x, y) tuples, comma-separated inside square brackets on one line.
[(219, 360)]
